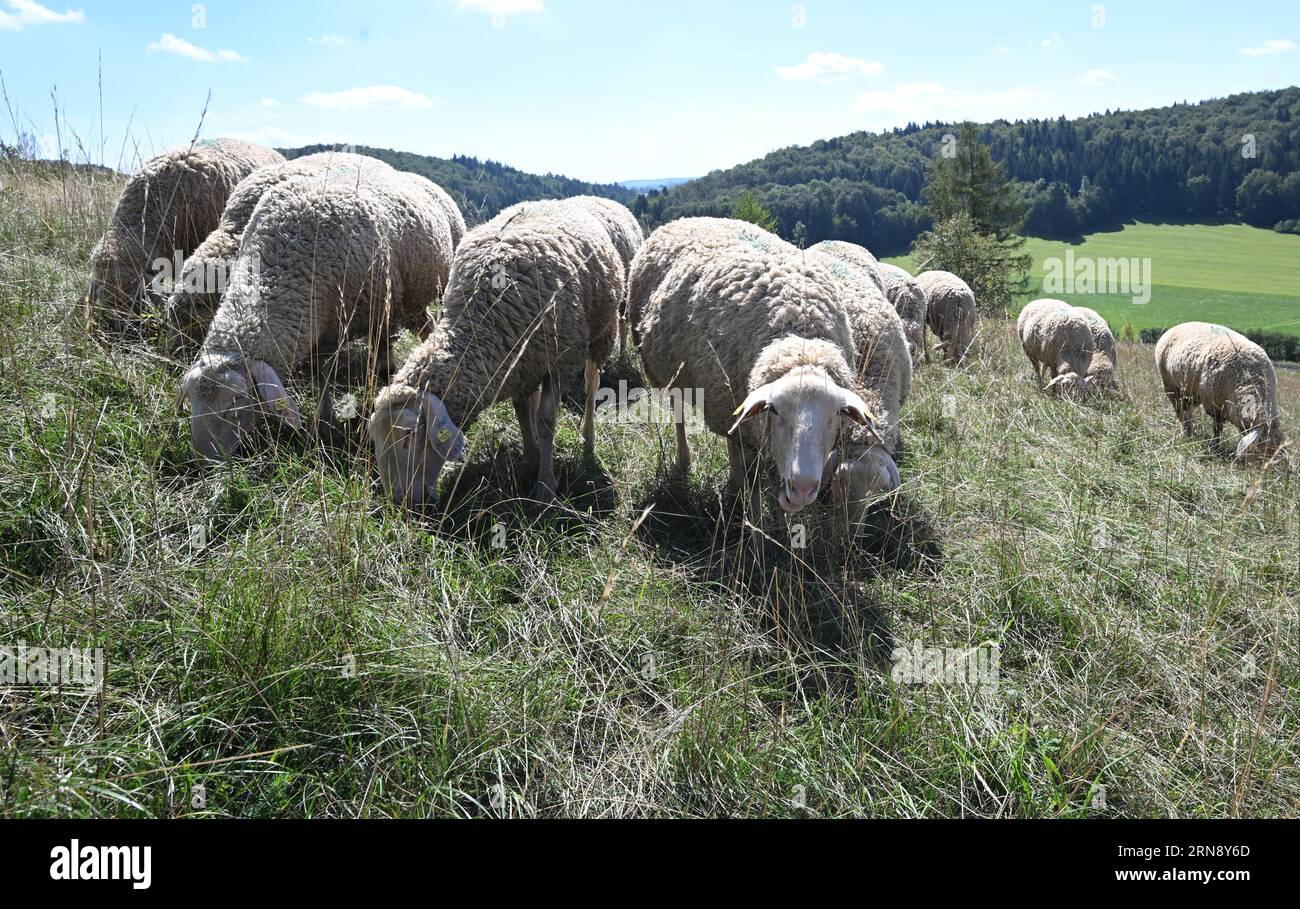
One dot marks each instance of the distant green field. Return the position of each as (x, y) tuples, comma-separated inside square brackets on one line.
[(1243, 277)]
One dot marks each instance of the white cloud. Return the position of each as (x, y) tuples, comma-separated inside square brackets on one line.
[(269, 103), (23, 13), (922, 101), (372, 96), (499, 9), (1269, 47), (829, 66), (1000, 49), (170, 44), (329, 39), (1096, 78), (1053, 40)]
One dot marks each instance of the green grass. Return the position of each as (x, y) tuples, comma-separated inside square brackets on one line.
[(1243, 277), (323, 655)]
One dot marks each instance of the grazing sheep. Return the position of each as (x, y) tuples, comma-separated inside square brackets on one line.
[(725, 306), (865, 464), (194, 299), (166, 210), (1057, 339), (1103, 372), (896, 286), (624, 231), (532, 299), (321, 262), (909, 301), (1227, 374), (949, 311)]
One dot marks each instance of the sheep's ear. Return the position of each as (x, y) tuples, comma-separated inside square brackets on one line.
[(1247, 441), (856, 410), (444, 435), (270, 390), (755, 403), (183, 392)]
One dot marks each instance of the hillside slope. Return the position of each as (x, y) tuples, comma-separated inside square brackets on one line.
[(277, 636)]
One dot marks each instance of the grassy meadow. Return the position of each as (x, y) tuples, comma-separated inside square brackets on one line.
[(1243, 277), (279, 642)]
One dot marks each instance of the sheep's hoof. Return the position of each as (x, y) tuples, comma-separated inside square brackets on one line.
[(543, 493)]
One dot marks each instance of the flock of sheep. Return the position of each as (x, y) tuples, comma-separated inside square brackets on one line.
[(806, 356)]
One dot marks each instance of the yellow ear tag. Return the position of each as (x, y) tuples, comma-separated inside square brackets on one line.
[(736, 412), (444, 436)]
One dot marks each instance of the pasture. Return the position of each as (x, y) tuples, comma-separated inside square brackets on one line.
[(1243, 277), (280, 642)]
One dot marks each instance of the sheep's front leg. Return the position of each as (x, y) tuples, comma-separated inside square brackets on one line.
[(526, 414), (589, 411), (684, 447), (544, 491), (745, 479)]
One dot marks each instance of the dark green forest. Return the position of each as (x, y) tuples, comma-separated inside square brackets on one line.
[(1236, 158), (480, 188)]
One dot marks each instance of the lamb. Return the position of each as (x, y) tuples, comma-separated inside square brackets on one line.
[(321, 262), (1057, 339), (1103, 370), (725, 306), (532, 300), (194, 300), (949, 312), (166, 210), (624, 230), (1227, 374), (884, 375)]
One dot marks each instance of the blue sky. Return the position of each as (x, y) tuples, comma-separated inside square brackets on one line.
[(610, 90)]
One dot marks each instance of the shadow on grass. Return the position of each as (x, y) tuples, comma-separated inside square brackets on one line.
[(816, 601)]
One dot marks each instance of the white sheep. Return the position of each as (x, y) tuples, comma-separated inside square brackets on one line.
[(896, 286), (197, 293), (763, 329), (949, 312), (1227, 374), (865, 464), (1058, 341), (532, 301), (166, 209), (1103, 371), (909, 301), (321, 262), (624, 231)]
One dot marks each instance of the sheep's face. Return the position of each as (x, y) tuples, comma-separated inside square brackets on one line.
[(804, 412), (872, 473), (227, 397), (1260, 443), (1069, 385), (413, 437)]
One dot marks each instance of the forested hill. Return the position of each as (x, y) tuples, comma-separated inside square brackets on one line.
[(1231, 158), (480, 188)]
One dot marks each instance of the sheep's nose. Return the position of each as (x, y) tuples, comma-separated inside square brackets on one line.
[(802, 492)]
